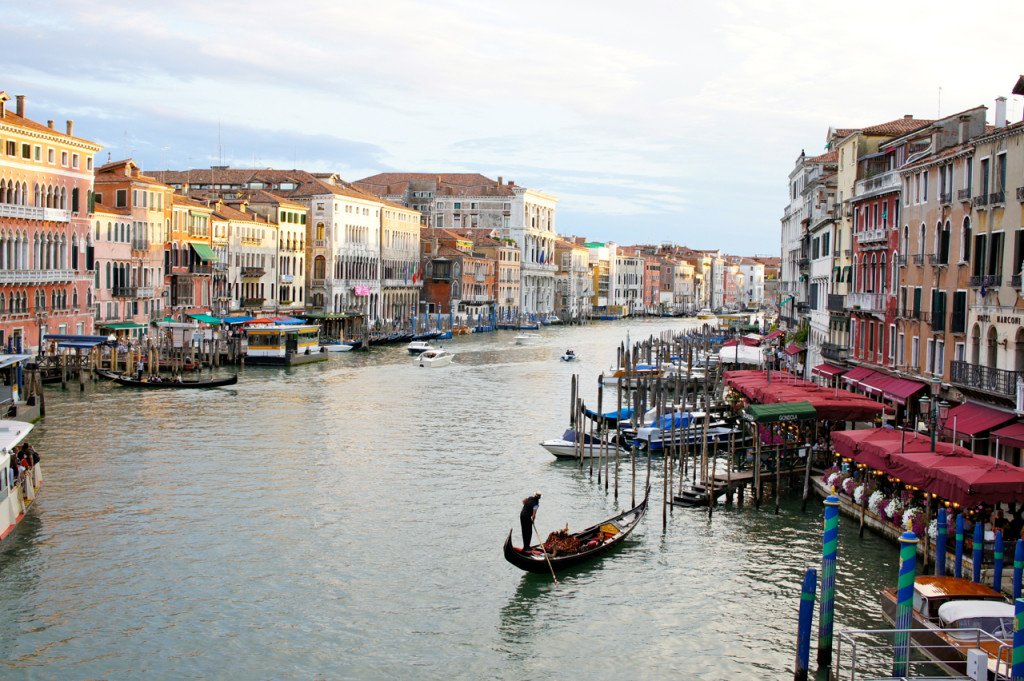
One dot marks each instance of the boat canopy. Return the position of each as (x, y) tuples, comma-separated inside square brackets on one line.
[(950, 471), (13, 432), (206, 319), (8, 360), (961, 609), (620, 415), (780, 411), (237, 320)]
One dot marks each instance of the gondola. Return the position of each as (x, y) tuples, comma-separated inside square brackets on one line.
[(132, 383), (533, 560)]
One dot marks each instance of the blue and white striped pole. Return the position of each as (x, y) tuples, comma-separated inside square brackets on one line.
[(979, 544), (803, 630), (1017, 660), (940, 543), (829, 550), (904, 604), (958, 564)]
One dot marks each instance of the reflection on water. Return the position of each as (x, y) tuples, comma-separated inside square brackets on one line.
[(345, 520)]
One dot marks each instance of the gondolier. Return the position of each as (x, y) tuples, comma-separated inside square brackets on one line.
[(527, 516)]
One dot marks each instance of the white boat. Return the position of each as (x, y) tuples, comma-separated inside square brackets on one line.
[(15, 498), (283, 344), (565, 447), (613, 376), (435, 358), (528, 338), (336, 346), (706, 313), (418, 347), (569, 356)]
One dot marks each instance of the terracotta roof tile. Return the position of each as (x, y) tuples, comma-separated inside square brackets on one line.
[(900, 126), (103, 208), (442, 184), (13, 119)]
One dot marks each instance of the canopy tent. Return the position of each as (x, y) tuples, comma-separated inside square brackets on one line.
[(971, 420), (288, 320), (951, 471), (780, 411), (206, 319), (855, 374), (772, 336), (899, 390), (236, 320), (793, 349), (1010, 436), (829, 403), (205, 253), (828, 370), (741, 354), (122, 326)]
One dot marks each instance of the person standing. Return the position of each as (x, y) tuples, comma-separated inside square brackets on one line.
[(527, 517)]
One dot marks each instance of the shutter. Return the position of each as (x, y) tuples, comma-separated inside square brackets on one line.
[(917, 303)]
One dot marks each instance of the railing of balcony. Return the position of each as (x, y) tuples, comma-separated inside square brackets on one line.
[(980, 201), (946, 198), (886, 180), (870, 302), (996, 198), (803, 262), (834, 351), (319, 243), (986, 379), (140, 244), (318, 283), (253, 271), (1015, 281), (918, 259), (836, 302), (901, 260), (1020, 194), (252, 302), (144, 292), (871, 235), (986, 280), (963, 195), (123, 291), (934, 259), (35, 276)]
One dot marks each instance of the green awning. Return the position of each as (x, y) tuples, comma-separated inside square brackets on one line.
[(204, 252), (205, 318), (123, 326), (781, 411)]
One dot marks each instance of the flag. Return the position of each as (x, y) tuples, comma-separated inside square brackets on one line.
[(405, 271), (362, 290)]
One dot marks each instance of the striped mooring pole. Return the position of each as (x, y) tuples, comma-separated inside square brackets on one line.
[(1018, 568), (829, 549), (958, 564), (1017, 660), (979, 544), (940, 543), (904, 604), (803, 629), (997, 563)]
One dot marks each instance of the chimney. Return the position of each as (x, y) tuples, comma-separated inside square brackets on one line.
[(964, 129), (71, 127), (1000, 121), (21, 105), (500, 178), (49, 124), (909, 117)]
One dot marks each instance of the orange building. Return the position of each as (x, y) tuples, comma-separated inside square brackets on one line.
[(45, 250), (189, 257)]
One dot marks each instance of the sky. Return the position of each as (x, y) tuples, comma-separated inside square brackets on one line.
[(651, 122)]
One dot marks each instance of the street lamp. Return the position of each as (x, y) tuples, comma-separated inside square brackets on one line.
[(934, 411)]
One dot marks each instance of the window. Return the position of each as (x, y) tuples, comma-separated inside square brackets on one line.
[(943, 252), (74, 160), (980, 242), (121, 198), (938, 310), (920, 241), (901, 349), (940, 356), (88, 163), (51, 156), (1001, 172), (959, 352), (984, 176), (37, 153), (958, 322), (924, 196), (12, 148), (969, 174), (917, 302), (965, 240), (26, 150), (892, 343), (929, 356), (64, 158), (915, 351), (995, 254)]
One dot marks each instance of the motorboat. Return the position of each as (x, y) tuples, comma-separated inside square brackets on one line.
[(614, 376), (552, 319), (418, 347), (435, 358), (567, 446), (951, 616), (569, 356), (15, 499), (335, 346), (528, 338), (706, 313)]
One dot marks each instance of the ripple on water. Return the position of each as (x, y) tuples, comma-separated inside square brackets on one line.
[(345, 520)]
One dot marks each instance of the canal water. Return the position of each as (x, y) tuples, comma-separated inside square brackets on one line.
[(345, 520)]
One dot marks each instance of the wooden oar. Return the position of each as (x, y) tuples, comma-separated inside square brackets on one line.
[(544, 551)]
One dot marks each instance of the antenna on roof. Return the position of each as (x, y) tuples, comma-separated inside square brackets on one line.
[(220, 147), (938, 110)]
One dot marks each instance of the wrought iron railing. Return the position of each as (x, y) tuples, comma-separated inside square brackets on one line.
[(987, 280), (834, 351), (996, 198), (836, 302), (901, 260), (918, 259), (1015, 281), (946, 198), (1020, 194), (980, 201), (986, 379), (963, 195)]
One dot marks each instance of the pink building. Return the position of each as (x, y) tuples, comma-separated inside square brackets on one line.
[(45, 255)]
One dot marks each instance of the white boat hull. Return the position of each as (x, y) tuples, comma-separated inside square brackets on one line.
[(337, 347), (565, 449), (436, 362)]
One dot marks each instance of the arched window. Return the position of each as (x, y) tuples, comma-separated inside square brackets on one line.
[(943, 249), (882, 279), (965, 240), (895, 272), (871, 275), (976, 345), (992, 347), (920, 241), (320, 267)]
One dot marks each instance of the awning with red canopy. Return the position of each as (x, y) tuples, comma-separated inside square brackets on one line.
[(951, 471), (772, 336), (1010, 436), (828, 370), (793, 349), (900, 390), (857, 373), (875, 383), (971, 419), (831, 404)]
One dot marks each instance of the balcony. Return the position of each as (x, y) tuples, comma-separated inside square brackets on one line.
[(918, 259), (144, 292), (1020, 194), (140, 244), (836, 302), (986, 280), (901, 260), (13, 210), (1015, 281), (871, 235), (320, 243), (878, 183), (318, 283), (848, 252), (984, 379), (803, 263), (253, 272), (946, 198), (997, 198), (803, 308), (963, 195), (123, 291), (934, 259), (36, 276), (834, 352), (287, 278), (980, 201), (849, 210), (252, 302), (866, 302)]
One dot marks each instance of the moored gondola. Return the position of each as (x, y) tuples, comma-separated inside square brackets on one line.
[(594, 541), (166, 384)]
